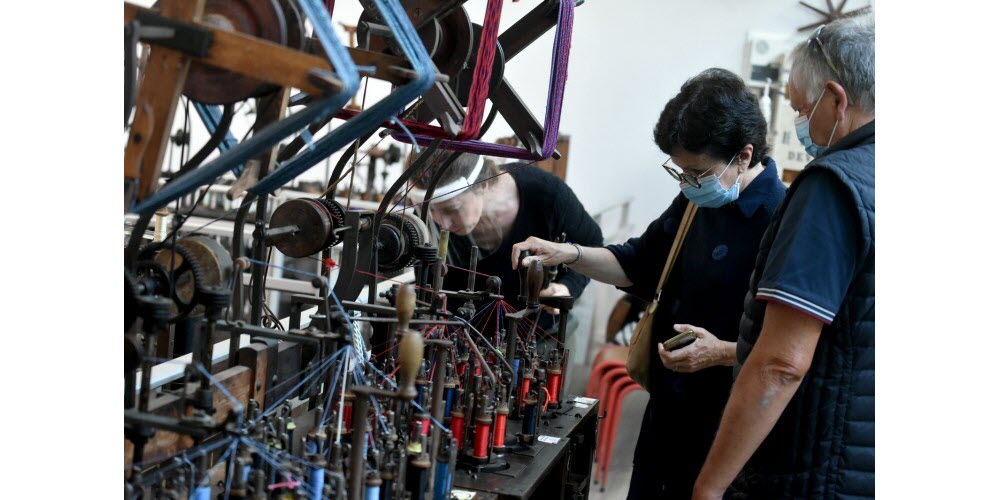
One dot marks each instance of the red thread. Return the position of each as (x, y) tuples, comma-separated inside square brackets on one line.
[(500, 431), (482, 440)]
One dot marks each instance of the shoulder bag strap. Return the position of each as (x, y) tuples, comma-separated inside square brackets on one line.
[(675, 249)]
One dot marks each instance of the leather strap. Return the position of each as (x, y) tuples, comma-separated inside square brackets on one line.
[(675, 248)]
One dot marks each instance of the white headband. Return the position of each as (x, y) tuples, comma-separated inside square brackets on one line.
[(453, 188)]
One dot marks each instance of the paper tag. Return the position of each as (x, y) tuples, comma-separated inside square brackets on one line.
[(585, 401), (462, 494), (549, 439), (581, 405)]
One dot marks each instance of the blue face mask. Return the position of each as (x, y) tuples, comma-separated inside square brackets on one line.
[(711, 194), (802, 131)]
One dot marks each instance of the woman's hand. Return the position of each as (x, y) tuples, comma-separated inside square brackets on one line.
[(553, 290), (548, 252), (706, 351)]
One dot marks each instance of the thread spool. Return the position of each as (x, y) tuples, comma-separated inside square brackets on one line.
[(348, 412), (523, 392), (449, 398), (553, 383), (202, 493), (500, 428), (481, 439), (529, 416), (458, 427), (442, 480), (416, 476), (316, 477), (423, 423)]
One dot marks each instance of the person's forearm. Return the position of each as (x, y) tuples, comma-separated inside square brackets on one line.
[(759, 396), (728, 354), (600, 264)]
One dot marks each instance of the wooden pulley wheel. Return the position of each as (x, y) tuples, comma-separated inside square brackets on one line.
[(314, 226), (448, 40), (455, 54), (264, 19), (430, 35), (456, 43), (463, 82), (294, 24)]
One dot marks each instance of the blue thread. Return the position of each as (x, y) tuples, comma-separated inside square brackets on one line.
[(316, 483), (442, 480), (413, 140), (413, 49), (308, 138), (414, 403)]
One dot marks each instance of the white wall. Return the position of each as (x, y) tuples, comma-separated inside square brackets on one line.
[(628, 60)]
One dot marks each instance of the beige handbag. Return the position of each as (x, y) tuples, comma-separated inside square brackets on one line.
[(637, 363)]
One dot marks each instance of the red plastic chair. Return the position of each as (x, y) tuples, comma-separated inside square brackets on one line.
[(613, 375), (606, 441), (608, 357)]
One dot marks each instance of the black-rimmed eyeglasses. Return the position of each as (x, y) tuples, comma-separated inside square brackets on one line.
[(680, 176)]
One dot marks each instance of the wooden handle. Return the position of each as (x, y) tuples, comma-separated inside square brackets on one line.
[(536, 275), (406, 301), (443, 244), (411, 353)]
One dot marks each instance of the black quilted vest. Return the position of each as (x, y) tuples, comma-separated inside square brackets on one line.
[(823, 445)]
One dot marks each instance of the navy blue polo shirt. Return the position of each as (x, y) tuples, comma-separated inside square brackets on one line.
[(706, 288), (814, 256)]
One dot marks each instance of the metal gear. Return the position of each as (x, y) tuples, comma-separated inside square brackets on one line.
[(339, 216), (188, 277), (398, 238)]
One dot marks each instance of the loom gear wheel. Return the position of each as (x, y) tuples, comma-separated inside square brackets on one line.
[(318, 221), (339, 216), (399, 236), (154, 272)]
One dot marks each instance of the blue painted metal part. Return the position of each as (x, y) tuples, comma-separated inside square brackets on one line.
[(442, 481), (210, 117), (370, 119), (346, 71)]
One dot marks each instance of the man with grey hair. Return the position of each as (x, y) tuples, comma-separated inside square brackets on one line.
[(800, 420)]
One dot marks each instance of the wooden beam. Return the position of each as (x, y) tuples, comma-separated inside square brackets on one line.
[(156, 103), (277, 64), (238, 380)]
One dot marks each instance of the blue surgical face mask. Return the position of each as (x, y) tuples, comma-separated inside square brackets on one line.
[(802, 131), (711, 194)]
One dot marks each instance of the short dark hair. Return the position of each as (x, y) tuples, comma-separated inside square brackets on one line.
[(714, 113)]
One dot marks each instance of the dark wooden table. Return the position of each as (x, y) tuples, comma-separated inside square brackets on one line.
[(549, 470)]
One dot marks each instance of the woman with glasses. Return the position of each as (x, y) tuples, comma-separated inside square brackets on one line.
[(715, 137)]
